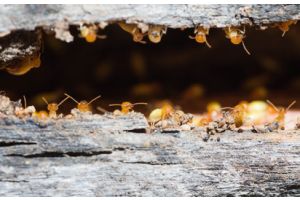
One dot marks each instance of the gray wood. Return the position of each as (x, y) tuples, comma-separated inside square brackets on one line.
[(104, 155), (175, 16)]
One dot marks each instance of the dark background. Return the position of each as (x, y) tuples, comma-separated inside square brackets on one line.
[(119, 70)]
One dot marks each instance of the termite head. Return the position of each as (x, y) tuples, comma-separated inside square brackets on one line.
[(155, 33), (236, 36), (83, 106), (280, 118), (281, 110), (167, 109), (88, 32), (213, 110), (126, 106), (213, 107), (242, 106), (138, 36), (53, 107), (200, 35)]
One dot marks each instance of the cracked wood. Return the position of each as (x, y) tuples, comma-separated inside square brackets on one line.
[(87, 158)]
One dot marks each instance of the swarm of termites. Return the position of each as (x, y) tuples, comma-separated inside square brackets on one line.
[(256, 116)]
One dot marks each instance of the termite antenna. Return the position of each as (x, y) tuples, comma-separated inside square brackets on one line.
[(24, 99), (101, 36), (290, 105), (140, 103), (244, 30), (191, 37), (45, 100), (165, 30), (101, 109), (114, 104), (209, 46), (224, 108), (143, 42), (271, 104), (94, 99), (62, 101), (71, 98), (245, 48)]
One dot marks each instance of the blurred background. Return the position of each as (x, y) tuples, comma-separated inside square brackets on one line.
[(177, 69)]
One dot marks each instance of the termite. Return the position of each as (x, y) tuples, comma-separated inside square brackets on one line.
[(285, 26), (200, 35), (182, 118), (25, 65), (239, 113), (90, 33), (280, 118), (133, 29), (155, 33), (236, 36), (83, 106), (162, 113), (53, 107), (24, 111), (41, 115), (126, 106), (213, 110), (29, 61)]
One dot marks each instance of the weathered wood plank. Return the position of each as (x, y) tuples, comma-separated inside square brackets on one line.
[(28, 17), (95, 155), (139, 164)]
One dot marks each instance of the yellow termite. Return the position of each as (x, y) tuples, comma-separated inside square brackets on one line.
[(126, 106), (200, 35), (134, 30), (280, 118), (236, 36), (83, 106), (156, 32), (90, 33), (285, 26), (25, 65), (53, 107)]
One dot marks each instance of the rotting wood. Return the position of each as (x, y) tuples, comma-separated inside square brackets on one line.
[(105, 155)]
